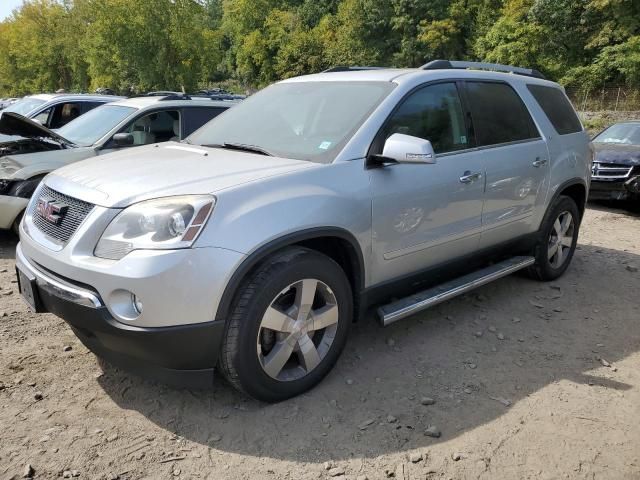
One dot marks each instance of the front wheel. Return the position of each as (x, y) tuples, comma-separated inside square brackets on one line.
[(557, 240), (288, 325)]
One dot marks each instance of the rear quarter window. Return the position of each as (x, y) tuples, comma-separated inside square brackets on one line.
[(557, 108)]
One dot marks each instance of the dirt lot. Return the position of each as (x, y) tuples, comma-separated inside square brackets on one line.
[(529, 380)]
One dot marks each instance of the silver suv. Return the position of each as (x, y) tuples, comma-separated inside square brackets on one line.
[(253, 245)]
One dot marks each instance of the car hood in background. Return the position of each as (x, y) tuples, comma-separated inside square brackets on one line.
[(14, 124), (615, 153), (122, 178)]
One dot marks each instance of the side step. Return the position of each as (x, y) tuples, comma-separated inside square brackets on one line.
[(407, 306)]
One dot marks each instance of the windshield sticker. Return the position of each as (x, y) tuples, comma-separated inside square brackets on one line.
[(324, 145)]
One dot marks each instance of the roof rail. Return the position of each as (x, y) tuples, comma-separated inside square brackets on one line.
[(182, 96), (496, 67), (344, 68)]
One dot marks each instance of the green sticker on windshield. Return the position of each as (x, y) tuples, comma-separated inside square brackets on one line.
[(324, 145)]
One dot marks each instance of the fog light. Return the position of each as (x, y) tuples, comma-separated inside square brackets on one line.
[(137, 304)]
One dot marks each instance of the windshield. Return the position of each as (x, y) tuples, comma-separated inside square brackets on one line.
[(95, 124), (301, 120), (24, 106), (622, 133)]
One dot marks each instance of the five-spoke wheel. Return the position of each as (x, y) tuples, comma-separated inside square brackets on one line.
[(289, 322), (297, 330), (561, 239), (557, 239)]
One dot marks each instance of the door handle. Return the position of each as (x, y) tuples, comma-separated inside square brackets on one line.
[(469, 177), (539, 162)]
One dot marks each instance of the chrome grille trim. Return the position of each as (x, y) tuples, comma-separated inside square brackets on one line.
[(76, 212), (610, 171)]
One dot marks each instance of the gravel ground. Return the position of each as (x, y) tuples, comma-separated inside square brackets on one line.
[(517, 380)]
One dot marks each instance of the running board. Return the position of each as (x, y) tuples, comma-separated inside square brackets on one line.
[(407, 306)]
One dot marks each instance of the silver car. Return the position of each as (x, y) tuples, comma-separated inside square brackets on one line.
[(132, 122), (253, 245)]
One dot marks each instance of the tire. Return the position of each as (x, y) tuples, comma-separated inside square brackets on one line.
[(556, 241), (276, 294)]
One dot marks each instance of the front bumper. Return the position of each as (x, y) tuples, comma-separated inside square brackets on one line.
[(10, 209), (615, 190), (183, 355)]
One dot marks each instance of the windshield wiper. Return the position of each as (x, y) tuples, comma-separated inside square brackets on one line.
[(241, 147)]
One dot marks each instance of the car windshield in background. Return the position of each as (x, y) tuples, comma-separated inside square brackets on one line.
[(622, 133), (94, 125), (300, 120), (24, 106)]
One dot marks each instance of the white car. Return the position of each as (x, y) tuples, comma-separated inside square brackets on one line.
[(25, 160)]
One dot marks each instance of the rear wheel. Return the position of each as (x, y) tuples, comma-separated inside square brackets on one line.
[(557, 240), (288, 325)]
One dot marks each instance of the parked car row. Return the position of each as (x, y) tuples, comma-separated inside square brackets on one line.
[(252, 245), (37, 150)]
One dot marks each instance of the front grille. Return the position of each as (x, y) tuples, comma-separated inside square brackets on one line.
[(75, 213), (610, 171)]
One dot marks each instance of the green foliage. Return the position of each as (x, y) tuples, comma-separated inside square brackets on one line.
[(172, 44)]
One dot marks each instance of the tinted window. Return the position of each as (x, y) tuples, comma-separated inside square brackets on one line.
[(499, 115), (557, 108), (86, 106), (196, 117), (433, 113)]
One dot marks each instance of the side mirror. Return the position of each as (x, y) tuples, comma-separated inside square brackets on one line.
[(408, 149), (123, 139)]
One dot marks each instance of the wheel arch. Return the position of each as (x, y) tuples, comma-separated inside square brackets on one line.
[(337, 243), (576, 189)]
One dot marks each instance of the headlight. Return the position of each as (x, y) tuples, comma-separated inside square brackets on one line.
[(163, 223)]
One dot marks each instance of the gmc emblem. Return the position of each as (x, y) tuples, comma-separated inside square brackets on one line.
[(51, 210)]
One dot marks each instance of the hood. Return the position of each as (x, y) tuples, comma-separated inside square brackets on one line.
[(122, 178), (38, 163), (615, 153), (15, 124)]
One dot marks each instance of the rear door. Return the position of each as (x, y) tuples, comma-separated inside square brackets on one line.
[(516, 160)]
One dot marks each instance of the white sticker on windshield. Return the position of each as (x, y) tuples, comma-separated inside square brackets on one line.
[(324, 145)]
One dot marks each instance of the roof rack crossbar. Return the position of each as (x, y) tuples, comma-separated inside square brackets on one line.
[(344, 68), (461, 65)]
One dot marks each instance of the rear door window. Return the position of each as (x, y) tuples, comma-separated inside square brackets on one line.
[(557, 107), (195, 117), (499, 114)]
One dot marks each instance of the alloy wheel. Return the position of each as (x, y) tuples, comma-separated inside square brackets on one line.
[(297, 330), (561, 239)]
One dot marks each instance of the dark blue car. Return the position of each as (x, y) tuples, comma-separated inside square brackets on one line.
[(616, 170)]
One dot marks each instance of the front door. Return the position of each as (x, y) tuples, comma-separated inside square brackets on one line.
[(423, 215)]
